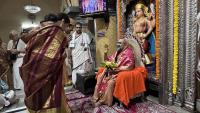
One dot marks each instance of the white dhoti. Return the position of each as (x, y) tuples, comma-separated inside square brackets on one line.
[(81, 55), (18, 83), (82, 69)]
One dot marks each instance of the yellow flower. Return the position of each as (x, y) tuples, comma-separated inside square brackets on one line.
[(175, 54), (108, 64)]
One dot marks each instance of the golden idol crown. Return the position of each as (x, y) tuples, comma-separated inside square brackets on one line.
[(140, 6), (143, 7)]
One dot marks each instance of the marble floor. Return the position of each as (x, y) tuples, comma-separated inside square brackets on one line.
[(19, 107), (173, 108)]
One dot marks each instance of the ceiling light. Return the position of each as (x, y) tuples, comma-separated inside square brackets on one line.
[(26, 25), (32, 9)]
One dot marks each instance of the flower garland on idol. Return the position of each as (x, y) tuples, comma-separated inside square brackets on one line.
[(157, 41), (175, 55)]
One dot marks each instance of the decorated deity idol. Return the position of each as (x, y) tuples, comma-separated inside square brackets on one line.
[(143, 25)]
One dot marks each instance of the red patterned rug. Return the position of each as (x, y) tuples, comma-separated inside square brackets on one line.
[(80, 103)]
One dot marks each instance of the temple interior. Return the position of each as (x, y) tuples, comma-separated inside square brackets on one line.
[(99, 56)]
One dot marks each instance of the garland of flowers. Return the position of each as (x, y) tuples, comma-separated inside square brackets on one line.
[(175, 56), (119, 19), (157, 41)]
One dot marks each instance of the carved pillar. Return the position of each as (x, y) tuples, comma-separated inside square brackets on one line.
[(190, 64), (187, 52), (169, 37), (163, 96), (198, 66)]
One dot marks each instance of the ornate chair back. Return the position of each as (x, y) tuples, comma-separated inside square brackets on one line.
[(137, 50)]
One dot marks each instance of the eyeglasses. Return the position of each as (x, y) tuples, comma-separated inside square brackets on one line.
[(78, 27)]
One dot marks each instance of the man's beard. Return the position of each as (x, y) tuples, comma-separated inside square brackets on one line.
[(78, 32), (119, 49)]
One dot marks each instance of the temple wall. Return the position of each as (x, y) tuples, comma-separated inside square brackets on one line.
[(110, 37)]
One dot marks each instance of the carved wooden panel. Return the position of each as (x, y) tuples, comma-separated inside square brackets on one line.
[(190, 44), (170, 32), (163, 87)]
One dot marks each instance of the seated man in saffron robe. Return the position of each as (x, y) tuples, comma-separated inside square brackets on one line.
[(123, 82), (42, 69)]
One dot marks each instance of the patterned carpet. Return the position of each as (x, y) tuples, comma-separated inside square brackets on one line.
[(80, 103)]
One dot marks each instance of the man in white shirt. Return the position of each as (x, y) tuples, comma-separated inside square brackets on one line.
[(16, 47), (80, 51)]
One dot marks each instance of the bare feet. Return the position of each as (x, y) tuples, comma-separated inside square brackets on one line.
[(94, 99), (99, 103), (69, 83)]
